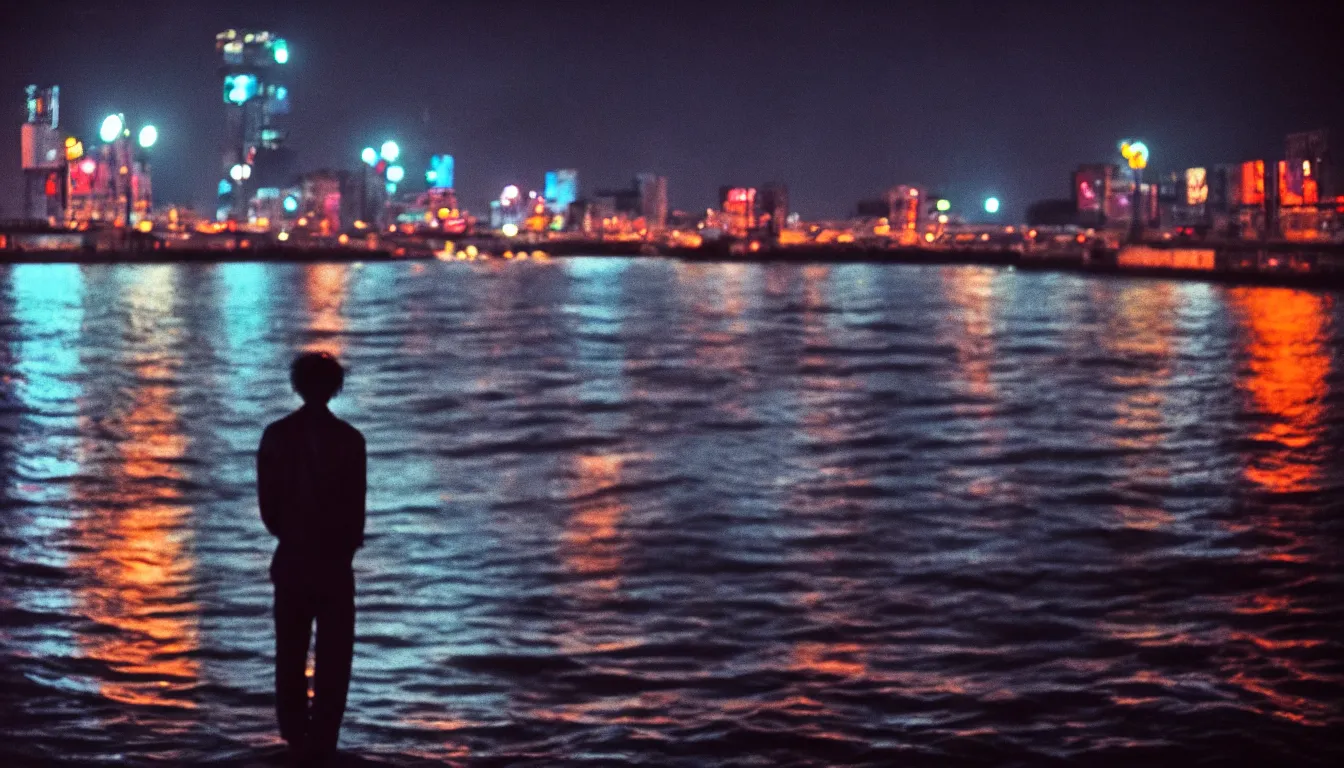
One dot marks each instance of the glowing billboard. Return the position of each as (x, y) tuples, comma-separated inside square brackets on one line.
[(239, 88), (1253, 182), (440, 173), (1290, 183), (1196, 186), (562, 189)]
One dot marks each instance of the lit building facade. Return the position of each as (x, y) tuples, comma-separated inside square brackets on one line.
[(561, 191), (774, 207), (442, 172), (652, 201), (43, 155), (738, 206), (256, 101)]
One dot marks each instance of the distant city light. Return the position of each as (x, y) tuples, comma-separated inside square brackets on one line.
[(391, 188), (509, 230), (224, 187), (942, 218), (1136, 152), (369, 156), (280, 49), (282, 237), (395, 174), (442, 168), (239, 88), (88, 166), (390, 151), (991, 205), (291, 203), (148, 135), (110, 129), (239, 172), (510, 192), (944, 205), (431, 175)]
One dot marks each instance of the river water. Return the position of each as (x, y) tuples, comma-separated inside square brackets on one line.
[(640, 511)]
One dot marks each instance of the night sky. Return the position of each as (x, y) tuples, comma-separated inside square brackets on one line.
[(839, 99)]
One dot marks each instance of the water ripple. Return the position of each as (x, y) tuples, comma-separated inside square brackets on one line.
[(641, 512)]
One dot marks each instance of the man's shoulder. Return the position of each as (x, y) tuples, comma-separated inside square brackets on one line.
[(348, 432), (279, 429)]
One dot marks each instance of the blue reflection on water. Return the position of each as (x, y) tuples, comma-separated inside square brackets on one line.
[(48, 303)]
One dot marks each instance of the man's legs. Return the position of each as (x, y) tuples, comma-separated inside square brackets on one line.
[(293, 628), (331, 669)]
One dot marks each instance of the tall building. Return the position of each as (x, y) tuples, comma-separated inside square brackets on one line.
[(256, 100), (561, 190), (1312, 166), (43, 154), (652, 200), (739, 209), (441, 172), (774, 207)]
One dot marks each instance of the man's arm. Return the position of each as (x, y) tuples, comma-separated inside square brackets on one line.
[(268, 477)]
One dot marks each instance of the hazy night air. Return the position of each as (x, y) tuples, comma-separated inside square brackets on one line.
[(837, 100)]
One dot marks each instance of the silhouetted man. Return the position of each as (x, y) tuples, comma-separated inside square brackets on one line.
[(310, 486)]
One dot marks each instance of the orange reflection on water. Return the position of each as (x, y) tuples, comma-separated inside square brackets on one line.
[(1140, 333), (970, 291), (1285, 379), (132, 544), (591, 543), (325, 292), (969, 329), (718, 299), (837, 659), (823, 394)]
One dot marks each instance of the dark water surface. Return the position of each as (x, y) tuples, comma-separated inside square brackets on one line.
[(631, 511)]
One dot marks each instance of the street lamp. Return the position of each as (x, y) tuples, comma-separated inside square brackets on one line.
[(991, 205), (148, 135), (111, 128), (390, 151), (369, 156), (1136, 154)]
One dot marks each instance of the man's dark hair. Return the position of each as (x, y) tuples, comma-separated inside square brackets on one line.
[(316, 376)]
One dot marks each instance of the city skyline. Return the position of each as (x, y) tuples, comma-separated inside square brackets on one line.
[(837, 104)]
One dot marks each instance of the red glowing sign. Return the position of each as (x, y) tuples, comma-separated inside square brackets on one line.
[(1253, 182), (1290, 184), (81, 177)]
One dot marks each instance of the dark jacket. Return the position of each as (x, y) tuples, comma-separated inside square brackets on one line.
[(310, 486)]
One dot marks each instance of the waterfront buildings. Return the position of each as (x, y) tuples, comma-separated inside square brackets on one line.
[(774, 208), (737, 206), (43, 154), (560, 191), (652, 201), (69, 183), (256, 101)]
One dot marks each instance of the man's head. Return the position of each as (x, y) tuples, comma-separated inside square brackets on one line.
[(317, 377)]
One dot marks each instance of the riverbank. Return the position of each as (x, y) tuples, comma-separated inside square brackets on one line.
[(1301, 265)]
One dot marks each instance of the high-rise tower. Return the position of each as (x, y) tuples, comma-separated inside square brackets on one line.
[(43, 156), (256, 99)]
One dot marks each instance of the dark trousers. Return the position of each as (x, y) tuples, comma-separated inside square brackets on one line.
[(297, 605)]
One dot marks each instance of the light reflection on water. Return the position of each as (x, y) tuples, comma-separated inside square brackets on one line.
[(690, 512)]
